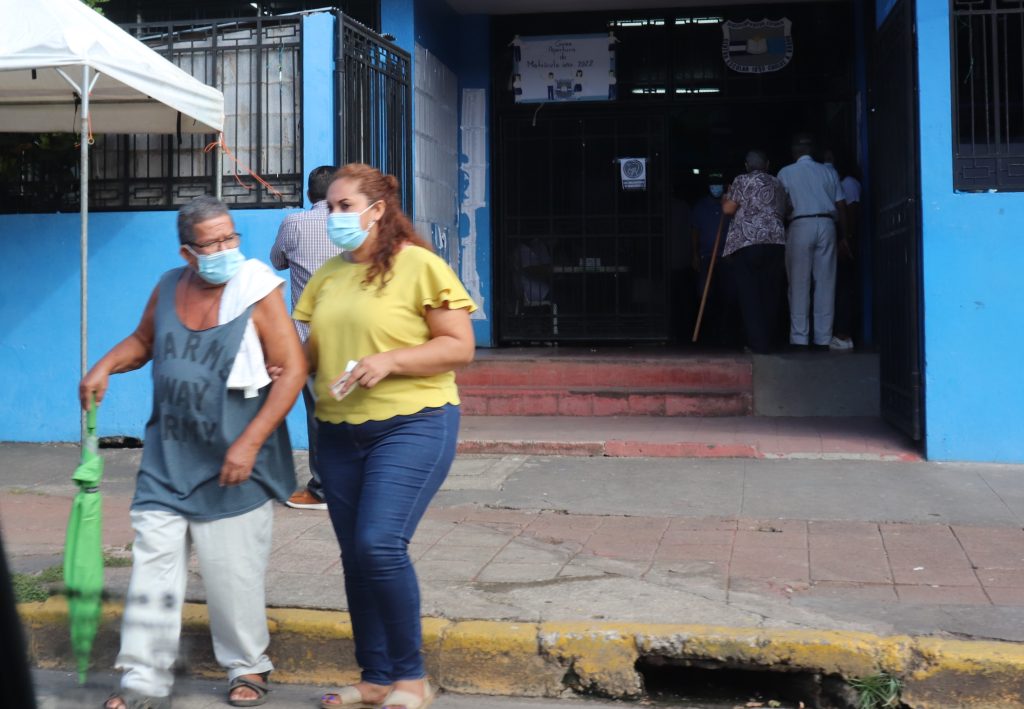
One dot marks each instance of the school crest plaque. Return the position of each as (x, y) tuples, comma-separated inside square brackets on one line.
[(757, 47)]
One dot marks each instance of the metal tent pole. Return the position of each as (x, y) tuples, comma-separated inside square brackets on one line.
[(84, 245), (218, 166)]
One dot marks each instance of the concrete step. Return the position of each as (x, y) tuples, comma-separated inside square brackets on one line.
[(631, 370), (583, 383), (583, 401)]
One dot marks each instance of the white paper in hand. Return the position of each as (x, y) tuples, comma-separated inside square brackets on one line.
[(339, 383)]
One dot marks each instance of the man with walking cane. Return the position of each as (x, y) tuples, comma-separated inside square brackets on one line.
[(755, 248)]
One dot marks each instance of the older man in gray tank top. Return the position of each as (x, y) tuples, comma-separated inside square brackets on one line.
[(216, 455), (817, 207)]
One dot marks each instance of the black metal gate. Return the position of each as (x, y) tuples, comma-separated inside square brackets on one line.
[(897, 224), (374, 99), (586, 260)]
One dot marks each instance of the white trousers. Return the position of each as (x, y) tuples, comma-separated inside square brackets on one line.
[(233, 554), (811, 258)]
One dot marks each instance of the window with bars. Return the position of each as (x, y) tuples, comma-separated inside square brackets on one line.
[(256, 62), (988, 94)]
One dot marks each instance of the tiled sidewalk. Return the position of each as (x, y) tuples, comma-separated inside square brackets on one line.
[(898, 563)]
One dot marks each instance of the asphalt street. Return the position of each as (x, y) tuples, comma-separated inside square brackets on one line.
[(60, 690)]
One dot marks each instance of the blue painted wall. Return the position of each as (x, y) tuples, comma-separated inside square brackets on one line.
[(462, 43), (437, 31), (318, 109), (973, 308), (39, 301), (474, 70), (398, 18), (39, 307)]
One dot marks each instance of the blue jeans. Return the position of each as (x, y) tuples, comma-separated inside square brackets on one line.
[(378, 479)]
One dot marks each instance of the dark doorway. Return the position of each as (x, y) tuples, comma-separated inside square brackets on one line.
[(580, 259), (586, 258), (897, 223)]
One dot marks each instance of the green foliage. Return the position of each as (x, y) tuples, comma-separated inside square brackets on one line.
[(95, 5), (52, 574), (878, 691), (28, 589), (114, 561)]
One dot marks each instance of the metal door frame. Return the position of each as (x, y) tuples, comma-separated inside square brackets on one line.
[(895, 166), (373, 80)]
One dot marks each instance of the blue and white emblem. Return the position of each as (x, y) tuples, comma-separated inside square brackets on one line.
[(757, 47)]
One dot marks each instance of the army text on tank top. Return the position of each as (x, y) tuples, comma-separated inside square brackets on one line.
[(196, 418)]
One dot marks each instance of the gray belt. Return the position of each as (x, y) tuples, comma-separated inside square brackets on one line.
[(811, 216)]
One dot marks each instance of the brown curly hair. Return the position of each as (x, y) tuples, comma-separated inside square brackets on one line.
[(393, 229)]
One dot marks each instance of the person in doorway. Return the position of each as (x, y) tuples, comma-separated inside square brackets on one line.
[(577, 84), (706, 220), (846, 259), (534, 269), (216, 454), (389, 324), (816, 222), (551, 86), (302, 246), (755, 248), (681, 275)]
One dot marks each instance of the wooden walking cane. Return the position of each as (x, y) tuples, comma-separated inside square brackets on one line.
[(707, 281)]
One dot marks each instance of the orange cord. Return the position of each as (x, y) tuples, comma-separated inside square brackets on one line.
[(90, 140), (223, 146)]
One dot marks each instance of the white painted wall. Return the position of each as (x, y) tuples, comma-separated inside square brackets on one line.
[(436, 156)]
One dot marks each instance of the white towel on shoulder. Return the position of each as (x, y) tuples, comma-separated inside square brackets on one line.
[(251, 284)]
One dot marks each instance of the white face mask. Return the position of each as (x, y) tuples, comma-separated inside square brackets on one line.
[(716, 190)]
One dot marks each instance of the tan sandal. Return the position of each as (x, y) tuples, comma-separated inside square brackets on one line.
[(349, 698), (130, 699), (400, 699)]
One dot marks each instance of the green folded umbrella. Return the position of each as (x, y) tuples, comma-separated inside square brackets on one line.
[(83, 550)]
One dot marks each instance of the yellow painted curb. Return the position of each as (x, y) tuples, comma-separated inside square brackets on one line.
[(546, 659), (844, 653), (966, 673), (493, 657), (601, 657)]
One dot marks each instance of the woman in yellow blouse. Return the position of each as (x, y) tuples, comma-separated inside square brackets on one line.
[(389, 324)]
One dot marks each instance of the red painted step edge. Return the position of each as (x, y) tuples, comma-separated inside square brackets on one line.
[(695, 372)]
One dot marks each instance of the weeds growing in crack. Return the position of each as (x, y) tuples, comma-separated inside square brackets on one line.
[(877, 691)]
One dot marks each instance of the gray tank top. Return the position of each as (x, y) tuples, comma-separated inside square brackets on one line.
[(196, 418)]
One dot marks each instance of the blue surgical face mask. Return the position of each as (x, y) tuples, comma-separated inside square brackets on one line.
[(218, 267), (345, 231), (716, 190)]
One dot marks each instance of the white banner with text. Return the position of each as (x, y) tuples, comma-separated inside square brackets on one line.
[(564, 68)]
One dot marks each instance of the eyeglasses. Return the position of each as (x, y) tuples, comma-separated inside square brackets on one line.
[(228, 241)]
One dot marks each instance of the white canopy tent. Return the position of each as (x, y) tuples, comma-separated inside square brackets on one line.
[(65, 67)]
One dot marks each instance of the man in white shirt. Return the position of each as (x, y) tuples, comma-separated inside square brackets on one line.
[(817, 219)]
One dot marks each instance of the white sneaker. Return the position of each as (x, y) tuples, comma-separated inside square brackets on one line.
[(840, 344)]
